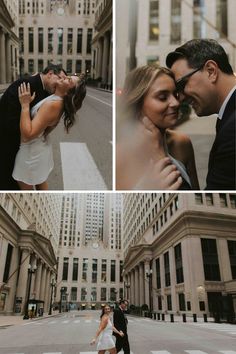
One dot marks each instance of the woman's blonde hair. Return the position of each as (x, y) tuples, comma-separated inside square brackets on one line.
[(136, 87)]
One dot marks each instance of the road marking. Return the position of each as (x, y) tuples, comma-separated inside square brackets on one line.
[(227, 351), (88, 352), (95, 98), (87, 321), (77, 321), (161, 352), (195, 352), (52, 322), (79, 169), (53, 353), (65, 321)]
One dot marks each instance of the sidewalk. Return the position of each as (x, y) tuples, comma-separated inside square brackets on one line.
[(16, 320)]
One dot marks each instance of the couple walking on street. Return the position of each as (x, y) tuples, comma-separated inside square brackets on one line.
[(118, 329)]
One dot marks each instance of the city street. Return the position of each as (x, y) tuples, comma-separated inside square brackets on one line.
[(83, 158), (71, 333)]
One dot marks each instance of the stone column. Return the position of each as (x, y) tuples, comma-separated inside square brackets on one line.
[(129, 289), (105, 57), (43, 280), (23, 278), (146, 281), (141, 284), (47, 290), (110, 65), (2, 57), (12, 282), (33, 278), (8, 58), (136, 287), (38, 279), (100, 53)]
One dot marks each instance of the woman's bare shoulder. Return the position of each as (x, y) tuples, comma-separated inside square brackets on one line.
[(175, 137), (179, 145)]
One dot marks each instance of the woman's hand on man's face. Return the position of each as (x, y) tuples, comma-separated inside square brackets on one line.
[(24, 94)]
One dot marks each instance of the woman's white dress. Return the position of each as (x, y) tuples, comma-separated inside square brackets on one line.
[(34, 160), (105, 340)]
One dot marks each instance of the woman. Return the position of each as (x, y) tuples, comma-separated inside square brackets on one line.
[(150, 155), (104, 333), (34, 160)]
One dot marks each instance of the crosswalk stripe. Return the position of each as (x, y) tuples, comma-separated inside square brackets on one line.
[(87, 321), (195, 352), (77, 321), (79, 169), (53, 353), (65, 321), (52, 322), (161, 352), (227, 351), (88, 352)]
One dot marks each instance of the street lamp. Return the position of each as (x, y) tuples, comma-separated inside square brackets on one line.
[(31, 270), (149, 276), (53, 284)]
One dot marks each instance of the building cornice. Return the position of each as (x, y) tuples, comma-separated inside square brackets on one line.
[(5, 17)]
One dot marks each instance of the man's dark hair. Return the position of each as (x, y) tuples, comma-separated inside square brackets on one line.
[(53, 67), (198, 51), (123, 301)]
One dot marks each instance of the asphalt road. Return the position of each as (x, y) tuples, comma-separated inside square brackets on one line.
[(71, 334), (83, 158)]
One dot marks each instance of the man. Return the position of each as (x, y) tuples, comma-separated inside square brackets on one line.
[(43, 85), (120, 323), (206, 80)]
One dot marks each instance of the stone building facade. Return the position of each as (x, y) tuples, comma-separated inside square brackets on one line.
[(9, 42), (180, 252), (151, 29), (103, 43), (28, 242), (58, 31)]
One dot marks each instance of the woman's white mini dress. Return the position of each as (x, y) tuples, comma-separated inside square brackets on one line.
[(34, 160), (105, 340)]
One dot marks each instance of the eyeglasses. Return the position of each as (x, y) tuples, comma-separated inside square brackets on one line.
[(181, 83)]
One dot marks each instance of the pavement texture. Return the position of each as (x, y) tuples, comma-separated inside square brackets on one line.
[(6, 321)]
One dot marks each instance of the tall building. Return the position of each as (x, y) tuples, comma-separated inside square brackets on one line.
[(103, 43), (180, 252), (162, 25), (9, 42), (90, 262), (29, 230), (58, 31)]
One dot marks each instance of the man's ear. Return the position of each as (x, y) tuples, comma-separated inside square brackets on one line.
[(212, 70)]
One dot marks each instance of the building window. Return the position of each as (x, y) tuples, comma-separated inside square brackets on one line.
[(112, 294), (40, 40), (121, 271), (113, 271), (223, 200), (104, 271), (65, 268), (94, 270), (7, 263), (222, 17), (159, 301), (89, 40), (179, 264), (158, 273), (69, 66), (169, 302), (21, 38), (176, 203), (182, 306), (175, 21), (154, 30), (78, 66), (79, 40), (94, 294), (70, 41), (50, 40), (103, 294), (73, 295), (167, 269), (85, 269), (199, 25), (40, 65), (75, 269), (83, 294), (198, 198), (210, 259), (31, 66), (232, 257), (209, 199), (31, 39), (88, 65), (60, 41)]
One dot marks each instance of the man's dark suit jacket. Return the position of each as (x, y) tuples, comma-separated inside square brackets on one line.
[(10, 110), (120, 321), (222, 164)]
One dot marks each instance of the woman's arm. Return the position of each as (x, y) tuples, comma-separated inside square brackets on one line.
[(191, 168), (117, 332), (102, 326), (48, 114)]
